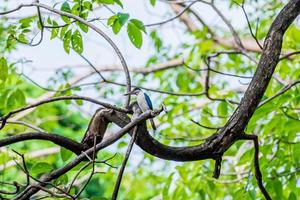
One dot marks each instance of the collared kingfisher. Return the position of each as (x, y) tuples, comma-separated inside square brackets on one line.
[(144, 102)]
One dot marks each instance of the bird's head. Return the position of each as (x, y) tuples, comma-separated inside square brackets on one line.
[(135, 91)]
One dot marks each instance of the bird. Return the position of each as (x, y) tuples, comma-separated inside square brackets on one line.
[(144, 102)]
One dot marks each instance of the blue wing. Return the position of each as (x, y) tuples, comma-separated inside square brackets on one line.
[(148, 101)]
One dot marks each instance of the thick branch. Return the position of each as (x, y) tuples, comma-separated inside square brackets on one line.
[(57, 139), (267, 64), (29, 191)]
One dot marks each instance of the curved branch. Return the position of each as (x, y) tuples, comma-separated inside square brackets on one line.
[(4, 118), (173, 18), (150, 145), (57, 139), (92, 26), (25, 124), (31, 190), (218, 143), (282, 91), (266, 66)]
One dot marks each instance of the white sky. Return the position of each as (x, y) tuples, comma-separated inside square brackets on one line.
[(50, 54)]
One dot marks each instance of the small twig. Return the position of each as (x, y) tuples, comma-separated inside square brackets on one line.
[(77, 174), (289, 55), (24, 166), (26, 124), (217, 171), (28, 176), (93, 168), (285, 112), (249, 24), (282, 91), (207, 127), (14, 184), (4, 118), (173, 18), (120, 175), (258, 174), (218, 72), (207, 80), (106, 163), (229, 25)]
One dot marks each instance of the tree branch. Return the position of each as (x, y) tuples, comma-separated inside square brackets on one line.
[(29, 191), (57, 139), (120, 175), (4, 118)]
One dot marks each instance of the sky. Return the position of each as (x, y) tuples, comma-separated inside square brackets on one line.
[(48, 56)]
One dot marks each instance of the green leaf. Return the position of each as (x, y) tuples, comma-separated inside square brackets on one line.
[(54, 31), (292, 196), (135, 35), (10, 42), (83, 27), (20, 97), (49, 21), (76, 9), (117, 21), (119, 3), (77, 44), (63, 30), (67, 40), (222, 109), (65, 154), (167, 186), (122, 144), (277, 185), (88, 5), (123, 18), (38, 23), (3, 69), (66, 8), (106, 1), (25, 22), (112, 20), (152, 2), (16, 98), (22, 38), (79, 102), (116, 27), (157, 41), (138, 24), (41, 168), (62, 180), (252, 194)]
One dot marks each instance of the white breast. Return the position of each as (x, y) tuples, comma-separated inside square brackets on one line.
[(142, 102)]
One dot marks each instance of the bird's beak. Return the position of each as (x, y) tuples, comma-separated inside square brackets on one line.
[(126, 94)]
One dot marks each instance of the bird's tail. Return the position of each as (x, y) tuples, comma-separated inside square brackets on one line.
[(152, 124)]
